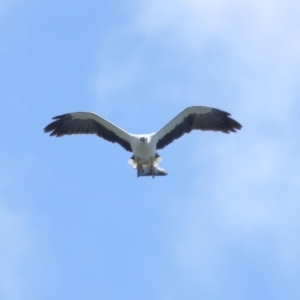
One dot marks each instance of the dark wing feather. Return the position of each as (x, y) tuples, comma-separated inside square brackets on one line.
[(195, 117), (88, 123)]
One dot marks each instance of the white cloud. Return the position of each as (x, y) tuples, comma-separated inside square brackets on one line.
[(260, 40), (15, 245), (17, 249), (185, 18), (252, 201), (253, 204), (259, 32), (263, 37)]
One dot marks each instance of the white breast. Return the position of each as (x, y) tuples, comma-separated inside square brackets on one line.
[(143, 150)]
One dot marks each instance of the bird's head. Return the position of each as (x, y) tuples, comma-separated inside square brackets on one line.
[(143, 139)]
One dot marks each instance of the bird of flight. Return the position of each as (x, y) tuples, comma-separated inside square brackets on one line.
[(144, 146)]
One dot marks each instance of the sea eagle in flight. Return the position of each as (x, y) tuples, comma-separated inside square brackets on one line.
[(144, 146)]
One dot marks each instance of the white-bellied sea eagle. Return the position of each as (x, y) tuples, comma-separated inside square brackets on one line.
[(144, 146)]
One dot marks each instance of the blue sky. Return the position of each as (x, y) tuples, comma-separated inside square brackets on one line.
[(76, 223)]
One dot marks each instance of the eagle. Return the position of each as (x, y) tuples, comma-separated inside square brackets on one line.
[(144, 146)]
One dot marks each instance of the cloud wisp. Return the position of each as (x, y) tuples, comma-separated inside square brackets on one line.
[(252, 201)]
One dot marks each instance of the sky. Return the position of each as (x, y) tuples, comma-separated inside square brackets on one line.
[(76, 222)]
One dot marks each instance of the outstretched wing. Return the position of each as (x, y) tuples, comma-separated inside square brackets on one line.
[(195, 117), (88, 123)]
